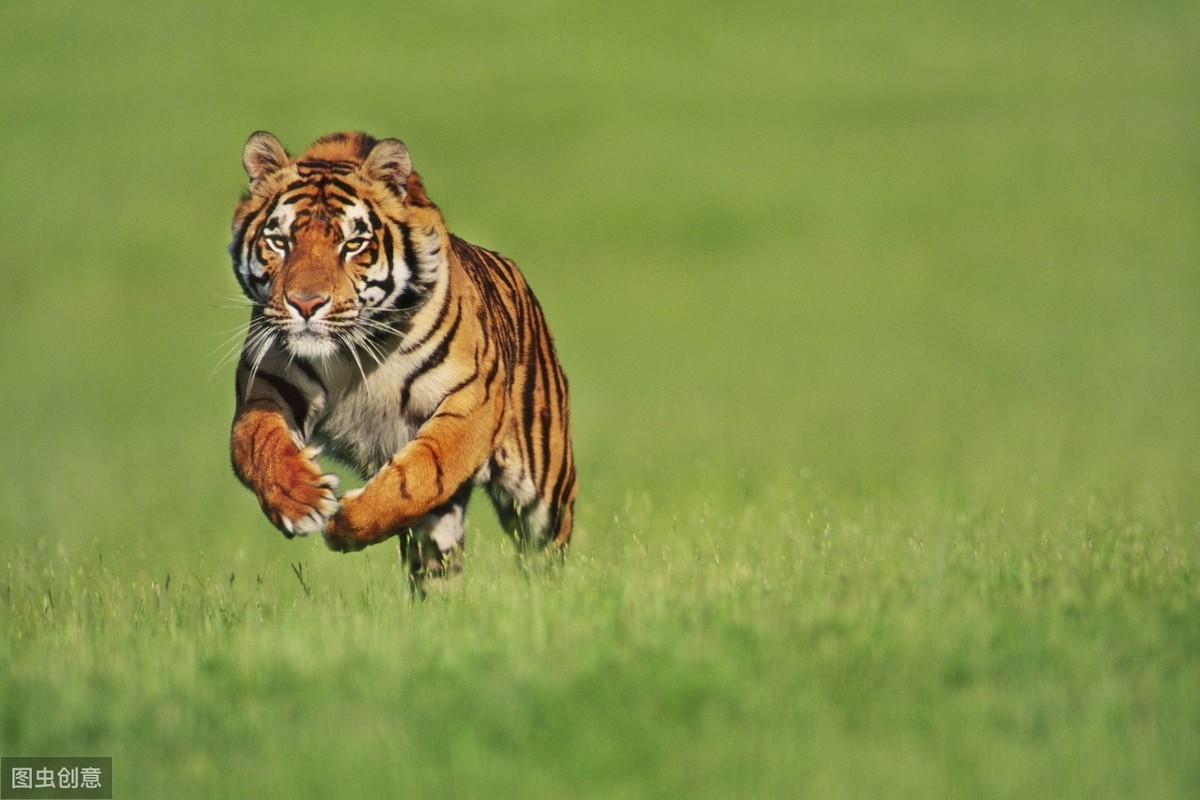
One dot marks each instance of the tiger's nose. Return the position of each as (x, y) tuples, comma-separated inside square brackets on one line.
[(307, 304)]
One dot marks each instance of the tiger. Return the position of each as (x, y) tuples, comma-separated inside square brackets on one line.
[(421, 361)]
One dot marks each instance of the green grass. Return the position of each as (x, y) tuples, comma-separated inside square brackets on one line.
[(882, 327)]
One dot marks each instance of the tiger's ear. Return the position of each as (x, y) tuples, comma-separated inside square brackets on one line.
[(390, 163), (263, 155)]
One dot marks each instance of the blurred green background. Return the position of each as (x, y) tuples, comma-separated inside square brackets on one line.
[(919, 277), (847, 236)]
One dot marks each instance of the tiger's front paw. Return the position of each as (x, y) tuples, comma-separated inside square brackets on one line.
[(299, 499), (355, 525), (341, 532)]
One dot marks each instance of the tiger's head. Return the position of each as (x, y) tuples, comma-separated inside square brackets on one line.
[(336, 248)]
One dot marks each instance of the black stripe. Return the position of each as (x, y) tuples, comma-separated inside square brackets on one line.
[(290, 395), (434, 359), (520, 302), (387, 284), (409, 300), (437, 323), (491, 378), (544, 418), (547, 342), (311, 374), (410, 253), (466, 381), (554, 404), (345, 187), (238, 249), (527, 415), (239, 239), (244, 240), (388, 246), (437, 465), (502, 272), (311, 165), (556, 499), (560, 388), (418, 284), (538, 363)]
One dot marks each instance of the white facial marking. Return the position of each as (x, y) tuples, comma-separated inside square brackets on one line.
[(372, 296), (280, 222), (356, 222)]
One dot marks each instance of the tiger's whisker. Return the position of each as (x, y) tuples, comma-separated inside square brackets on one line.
[(268, 340), (241, 339), (357, 362)]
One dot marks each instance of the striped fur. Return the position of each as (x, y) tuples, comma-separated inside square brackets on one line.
[(420, 359)]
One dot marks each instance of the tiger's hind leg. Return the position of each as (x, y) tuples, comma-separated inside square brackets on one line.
[(535, 525), (433, 550)]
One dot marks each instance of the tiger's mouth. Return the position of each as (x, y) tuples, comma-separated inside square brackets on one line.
[(310, 344)]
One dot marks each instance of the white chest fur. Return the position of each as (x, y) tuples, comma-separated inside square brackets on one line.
[(369, 415)]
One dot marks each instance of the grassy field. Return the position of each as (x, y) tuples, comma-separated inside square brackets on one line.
[(883, 327)]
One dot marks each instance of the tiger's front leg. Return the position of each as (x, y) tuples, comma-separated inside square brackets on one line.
[(396, 498), (291, 488), (447, 451)]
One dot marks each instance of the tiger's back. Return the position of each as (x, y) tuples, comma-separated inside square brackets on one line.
[(421, 359)]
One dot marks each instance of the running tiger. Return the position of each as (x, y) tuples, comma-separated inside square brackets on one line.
[(421, 360)]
